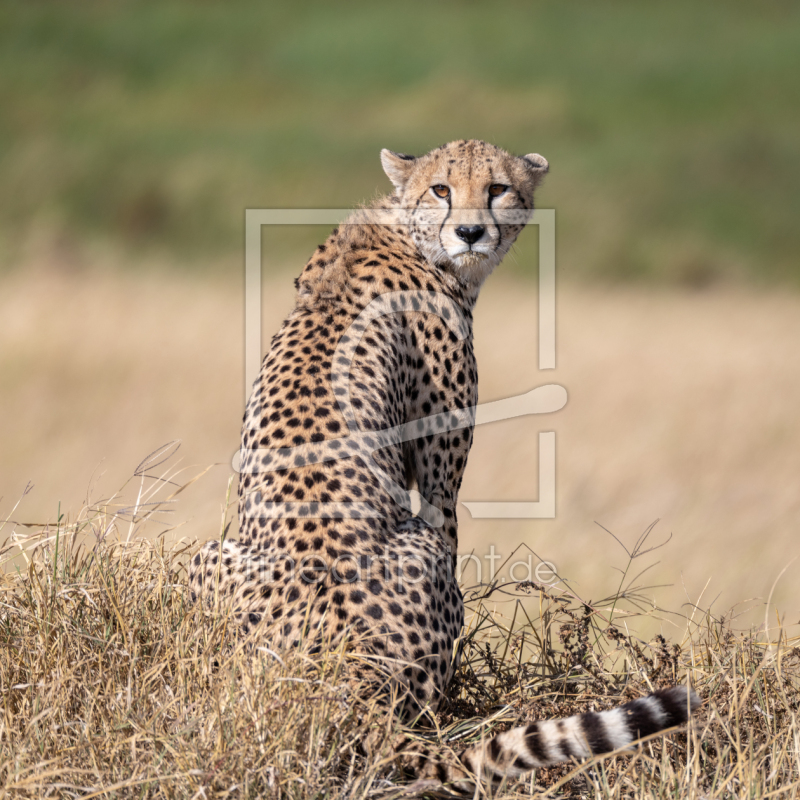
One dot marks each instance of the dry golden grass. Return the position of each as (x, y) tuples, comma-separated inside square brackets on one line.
[(683, 408), (113, 685)]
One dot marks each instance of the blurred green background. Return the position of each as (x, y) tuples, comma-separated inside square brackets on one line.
[(672, 129)]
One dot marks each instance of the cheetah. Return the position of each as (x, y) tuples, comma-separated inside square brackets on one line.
[(366, 401)]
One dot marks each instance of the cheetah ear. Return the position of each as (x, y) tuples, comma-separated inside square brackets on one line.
[(397, 167), (536, 165)]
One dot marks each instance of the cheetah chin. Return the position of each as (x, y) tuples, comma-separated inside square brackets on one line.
[(472, 268), (347, 417), (472, 258)]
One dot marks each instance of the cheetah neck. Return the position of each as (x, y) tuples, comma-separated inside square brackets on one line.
[(374, 246)]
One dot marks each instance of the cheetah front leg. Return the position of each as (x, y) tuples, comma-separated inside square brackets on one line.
[(436, 465)]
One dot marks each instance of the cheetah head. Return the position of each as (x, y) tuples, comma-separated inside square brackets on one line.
[(465, 203)]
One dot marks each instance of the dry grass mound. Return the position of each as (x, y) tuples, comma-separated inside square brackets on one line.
[(114, 685)]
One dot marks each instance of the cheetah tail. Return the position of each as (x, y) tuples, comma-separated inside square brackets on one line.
[(548, 742)]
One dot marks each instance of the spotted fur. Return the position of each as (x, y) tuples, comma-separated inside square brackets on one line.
[(549, 742), (368, 392)]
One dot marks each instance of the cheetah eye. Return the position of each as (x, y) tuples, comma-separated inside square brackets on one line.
[(440, 190), (496, 189)]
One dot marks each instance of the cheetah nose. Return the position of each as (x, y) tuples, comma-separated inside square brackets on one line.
[(470, 233)]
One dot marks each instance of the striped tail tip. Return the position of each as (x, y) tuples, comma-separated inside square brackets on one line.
[(549, 742), (646, 716)]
